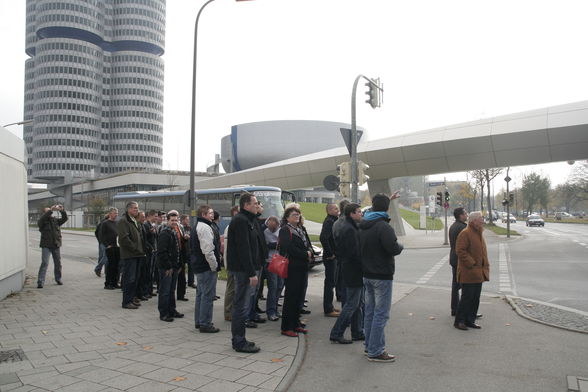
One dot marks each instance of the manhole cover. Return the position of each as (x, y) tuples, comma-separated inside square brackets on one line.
[(12, 356)]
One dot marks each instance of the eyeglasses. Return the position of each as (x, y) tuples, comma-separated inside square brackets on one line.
[(295, 215)]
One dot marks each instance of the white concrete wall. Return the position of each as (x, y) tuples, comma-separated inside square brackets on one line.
[(14, 228)]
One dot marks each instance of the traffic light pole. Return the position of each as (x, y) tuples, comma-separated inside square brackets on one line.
[(507, 205), (354, 139), (445, 207), (354, 173)]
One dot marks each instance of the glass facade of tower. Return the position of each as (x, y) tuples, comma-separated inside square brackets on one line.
[(94, 87)]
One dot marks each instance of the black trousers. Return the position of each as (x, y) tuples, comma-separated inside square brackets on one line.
[(182, 282), (468, 303), (455, 287), (329, 285), (113, 255), (295, 289)]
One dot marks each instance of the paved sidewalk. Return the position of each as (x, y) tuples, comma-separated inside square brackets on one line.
[(76, 337)]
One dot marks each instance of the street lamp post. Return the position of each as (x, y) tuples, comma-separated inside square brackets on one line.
[(24, 122), (191, 197)]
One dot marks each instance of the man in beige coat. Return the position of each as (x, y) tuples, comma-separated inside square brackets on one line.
[(473, 269)]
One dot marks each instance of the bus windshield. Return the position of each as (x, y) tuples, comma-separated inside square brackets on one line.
[(272, 203)]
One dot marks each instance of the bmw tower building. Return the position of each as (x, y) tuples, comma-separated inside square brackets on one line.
[(93, 87)]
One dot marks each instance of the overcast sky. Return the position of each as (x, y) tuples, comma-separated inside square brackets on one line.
[(442, 62)]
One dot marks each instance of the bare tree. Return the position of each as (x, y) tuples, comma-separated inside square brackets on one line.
[(489, 175), (479, 176)]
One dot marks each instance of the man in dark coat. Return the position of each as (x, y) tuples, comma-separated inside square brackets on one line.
[(130, 240), (168, 263), (50, 243), (461, 216), (329, 260), (348, 254), (108, 237), (379, 245), (243, 262)]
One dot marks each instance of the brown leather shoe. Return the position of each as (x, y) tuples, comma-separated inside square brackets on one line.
[(461, 326), (130, 305), (332, 314), (473, 325)]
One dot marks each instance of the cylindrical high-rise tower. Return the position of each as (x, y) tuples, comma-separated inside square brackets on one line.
[(94, 86)]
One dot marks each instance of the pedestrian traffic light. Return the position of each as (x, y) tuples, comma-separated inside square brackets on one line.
[(374, 93), (439, 199), (447, 196), (362, 178), (344, 172)]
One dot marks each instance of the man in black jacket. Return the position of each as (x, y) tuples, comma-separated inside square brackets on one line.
[(243, 262), (348, 254), (168, 262), (329, 260), (461, 216), (150, 226), (108, 237), (379, 245), (130, 240), (50, 243)]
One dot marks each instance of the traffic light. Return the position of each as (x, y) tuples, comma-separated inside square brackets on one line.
[(362, 178), (439, 199), (374, 93), (344, 172), (504, 202), (345, 190), (511, 198), (447, 197)]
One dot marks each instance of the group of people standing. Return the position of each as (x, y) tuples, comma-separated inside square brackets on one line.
[(359, 256)]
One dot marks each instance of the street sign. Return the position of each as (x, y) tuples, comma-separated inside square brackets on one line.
[(438, 183), (331, 182), (507, 179), (346, 133)]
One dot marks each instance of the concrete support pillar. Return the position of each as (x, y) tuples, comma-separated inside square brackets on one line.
[(383, 186), (68, 197)]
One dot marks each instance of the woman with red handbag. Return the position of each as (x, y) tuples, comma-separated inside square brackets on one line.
[(293, 244)]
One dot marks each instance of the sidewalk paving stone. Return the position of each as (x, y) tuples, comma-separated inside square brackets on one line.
[(76, 337)]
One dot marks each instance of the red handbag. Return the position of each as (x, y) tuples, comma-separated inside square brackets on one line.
[(279, 264)]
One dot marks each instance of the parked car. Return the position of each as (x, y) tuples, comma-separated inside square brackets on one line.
[(563, 215), (318, 257), (535, 220), (511, 218)]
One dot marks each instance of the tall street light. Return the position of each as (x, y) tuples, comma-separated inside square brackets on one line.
[(191, 197)]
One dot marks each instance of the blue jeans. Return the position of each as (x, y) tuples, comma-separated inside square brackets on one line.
[(378, 299), (45, 252), (205, 292), (102, 259), (241, 303), (351, 314), (166, 303), (275, 284), (129, 278), (253, 315)]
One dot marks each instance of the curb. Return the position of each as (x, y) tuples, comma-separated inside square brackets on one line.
[(288, 379), (511, 300)]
